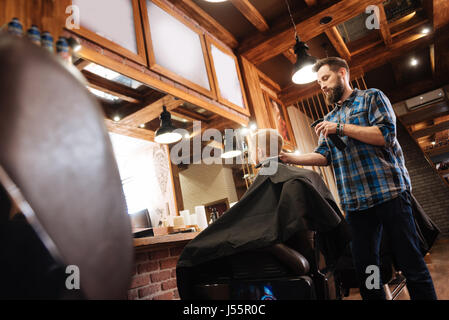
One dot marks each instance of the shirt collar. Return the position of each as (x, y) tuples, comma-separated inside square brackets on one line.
[(349, 99)]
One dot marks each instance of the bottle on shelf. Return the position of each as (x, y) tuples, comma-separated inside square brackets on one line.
[(62, 50), (34, 35), (15, 27), (47, 41)]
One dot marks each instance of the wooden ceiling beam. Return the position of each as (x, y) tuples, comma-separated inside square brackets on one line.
[(429, 112), (251, 14), (114, 93), (374, 58), (432, 59), (151, 111), (81, 64), (119, 90), (402, 20), (339, 44), (311, 2), (138, 133), (290, 55), (193, 11), (431, 130), (440, 13), (182, 116), (441, 54), (384, 28), (148, 98), (411, 24), (189, 115), (264, 47), (334, 37), (258, 21)]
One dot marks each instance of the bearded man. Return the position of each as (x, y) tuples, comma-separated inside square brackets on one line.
[(373, 183)]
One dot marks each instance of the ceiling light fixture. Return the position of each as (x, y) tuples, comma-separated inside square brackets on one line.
[(116, 119), (302, 71), (253, 126), (165, 134), (425, 31), (413, 62), (216, 1), (244, 131)]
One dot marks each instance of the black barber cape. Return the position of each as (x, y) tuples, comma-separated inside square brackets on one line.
[(272, 210)]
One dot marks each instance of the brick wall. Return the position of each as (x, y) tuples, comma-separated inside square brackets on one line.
[(429, 189), (154, 275)]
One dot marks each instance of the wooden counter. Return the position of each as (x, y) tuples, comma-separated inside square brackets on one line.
[(165, 241)]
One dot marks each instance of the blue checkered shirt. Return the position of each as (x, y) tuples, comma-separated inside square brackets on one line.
[(366, 175)]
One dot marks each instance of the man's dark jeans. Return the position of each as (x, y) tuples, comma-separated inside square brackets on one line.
[(395, 218)]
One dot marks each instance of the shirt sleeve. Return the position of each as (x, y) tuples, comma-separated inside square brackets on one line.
[(323, 149), (381, 114)]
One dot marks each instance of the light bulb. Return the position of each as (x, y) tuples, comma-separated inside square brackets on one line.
[(304, 75)]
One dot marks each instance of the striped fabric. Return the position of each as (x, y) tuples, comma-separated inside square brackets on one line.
[(366, 175)]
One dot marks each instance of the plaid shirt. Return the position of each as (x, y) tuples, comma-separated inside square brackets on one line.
[(366, 175)]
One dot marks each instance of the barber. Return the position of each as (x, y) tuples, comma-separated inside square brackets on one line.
[(373, 183)]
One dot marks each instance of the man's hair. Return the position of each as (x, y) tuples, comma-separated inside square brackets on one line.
[(334, 63), (262, 138)]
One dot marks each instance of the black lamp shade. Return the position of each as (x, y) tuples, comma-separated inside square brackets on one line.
[(165, 134), (302, 72)]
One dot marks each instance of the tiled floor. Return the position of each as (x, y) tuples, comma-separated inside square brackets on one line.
[(438, 263)]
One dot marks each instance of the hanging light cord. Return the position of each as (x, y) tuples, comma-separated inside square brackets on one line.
[(291, 17)]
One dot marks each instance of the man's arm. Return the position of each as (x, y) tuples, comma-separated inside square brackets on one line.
[(308, 159), (370, 135), (382, 124)]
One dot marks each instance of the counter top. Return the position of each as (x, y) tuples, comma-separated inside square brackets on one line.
[(165, 241)]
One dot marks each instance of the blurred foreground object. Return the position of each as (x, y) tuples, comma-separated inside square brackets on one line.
[(60, 171)]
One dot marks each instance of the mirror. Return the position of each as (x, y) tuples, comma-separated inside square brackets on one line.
[(158, 178)]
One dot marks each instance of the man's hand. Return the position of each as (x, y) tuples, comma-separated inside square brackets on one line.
[(287, 157), (326, 128)]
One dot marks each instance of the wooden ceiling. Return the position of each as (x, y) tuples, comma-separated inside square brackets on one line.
[(262, 32), (132, 108)]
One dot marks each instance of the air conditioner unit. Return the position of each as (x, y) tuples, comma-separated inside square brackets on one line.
[(425, 99)]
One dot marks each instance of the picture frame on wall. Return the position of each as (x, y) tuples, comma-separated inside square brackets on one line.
[(279, 120)]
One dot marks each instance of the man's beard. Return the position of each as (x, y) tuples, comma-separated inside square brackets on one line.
[(334, 95)]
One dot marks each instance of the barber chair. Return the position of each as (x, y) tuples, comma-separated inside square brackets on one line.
[(58, 167), (294, 270)]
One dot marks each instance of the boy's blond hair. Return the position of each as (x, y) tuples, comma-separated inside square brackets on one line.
[(260, 144)]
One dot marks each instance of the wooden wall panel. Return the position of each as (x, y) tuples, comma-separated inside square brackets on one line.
[(255, 94), (48, 15)]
